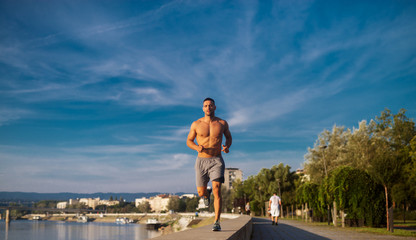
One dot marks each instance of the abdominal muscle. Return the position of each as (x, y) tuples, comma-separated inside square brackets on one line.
[(212, 147)]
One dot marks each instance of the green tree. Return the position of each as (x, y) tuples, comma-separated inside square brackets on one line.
[(246, 191), (144, 207), (411, 169), (258, 189), (176, 204), (308, 193), (227, 199), (392, 137), (284, 183), (357, 194), (191, 204), (327, 154), (265, 186), (359, 149), (46, 204)]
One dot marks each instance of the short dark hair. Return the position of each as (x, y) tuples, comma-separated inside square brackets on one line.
[(209, 99)]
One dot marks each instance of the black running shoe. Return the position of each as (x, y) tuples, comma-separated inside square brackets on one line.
[(216, 227), (207, 200)]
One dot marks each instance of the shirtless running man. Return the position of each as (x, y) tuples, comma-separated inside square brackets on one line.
[(208, 132)]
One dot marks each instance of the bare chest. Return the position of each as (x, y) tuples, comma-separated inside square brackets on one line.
[(210, 130)]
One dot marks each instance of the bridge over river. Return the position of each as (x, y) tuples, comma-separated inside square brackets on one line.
[(7, 209)]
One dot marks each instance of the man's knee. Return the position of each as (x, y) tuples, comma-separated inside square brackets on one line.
[(201, 191), (217, 195)]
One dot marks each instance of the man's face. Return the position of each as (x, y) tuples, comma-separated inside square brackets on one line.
[(209, 108)]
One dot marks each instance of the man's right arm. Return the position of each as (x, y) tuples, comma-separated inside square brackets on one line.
[(190, 142)]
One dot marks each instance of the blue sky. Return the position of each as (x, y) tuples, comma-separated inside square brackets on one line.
[(98, 96)]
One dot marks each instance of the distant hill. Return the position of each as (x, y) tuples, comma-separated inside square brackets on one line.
[(33, 196)]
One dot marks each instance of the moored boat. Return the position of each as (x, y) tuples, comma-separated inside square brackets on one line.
[(152, 224), (123, 220), (82, 219)]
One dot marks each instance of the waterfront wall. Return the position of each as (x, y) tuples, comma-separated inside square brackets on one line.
[(239, 228)]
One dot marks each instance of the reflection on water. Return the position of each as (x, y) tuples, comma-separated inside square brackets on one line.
[(40, 230)]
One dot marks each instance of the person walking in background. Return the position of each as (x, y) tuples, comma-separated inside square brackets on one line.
[(274, 206), (248, 208), (209, 165)]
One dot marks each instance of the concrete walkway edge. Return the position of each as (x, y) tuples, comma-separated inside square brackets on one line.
[(232, 229)]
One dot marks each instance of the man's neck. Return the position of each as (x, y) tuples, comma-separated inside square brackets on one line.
[(209, 118)]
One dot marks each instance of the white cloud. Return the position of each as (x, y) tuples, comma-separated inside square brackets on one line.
[(115, 149), (75, 171), (269, 109), (251, 163), (8, 115), (177, 134)]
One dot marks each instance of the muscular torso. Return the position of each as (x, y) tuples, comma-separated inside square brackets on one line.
[(209, 135)]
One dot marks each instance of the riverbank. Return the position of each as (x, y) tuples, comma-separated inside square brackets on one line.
[(93, 218), (169, 223), (111, 217)]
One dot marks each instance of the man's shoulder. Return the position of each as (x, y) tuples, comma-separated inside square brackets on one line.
[(220, 120), (198, 121)]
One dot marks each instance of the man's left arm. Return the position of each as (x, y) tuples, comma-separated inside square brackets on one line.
[(228, 139)]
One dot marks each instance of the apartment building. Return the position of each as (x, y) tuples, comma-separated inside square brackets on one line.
[(61, 205), (90, 202), (230, 175), (158, 203)]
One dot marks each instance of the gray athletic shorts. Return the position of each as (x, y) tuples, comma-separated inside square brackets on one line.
[(209, 168)]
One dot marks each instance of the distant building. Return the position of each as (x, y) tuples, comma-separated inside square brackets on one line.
[(62, 205), (304, 177), (158, 203), (90, 202), (108, 202), (189, 195), (299, 171), (73, 201), (230, 175), (139, 201)]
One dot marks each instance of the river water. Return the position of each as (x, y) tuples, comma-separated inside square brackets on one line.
[(55, 230)]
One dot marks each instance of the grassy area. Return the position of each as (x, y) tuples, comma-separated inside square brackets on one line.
[(409, 223), (383, 231), (204, 222), (398, 231)]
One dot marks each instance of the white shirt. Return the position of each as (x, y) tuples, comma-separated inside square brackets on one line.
[(275, 200)]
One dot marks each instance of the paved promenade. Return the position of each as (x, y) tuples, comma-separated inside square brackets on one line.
[(238, 228), (291, 229)]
